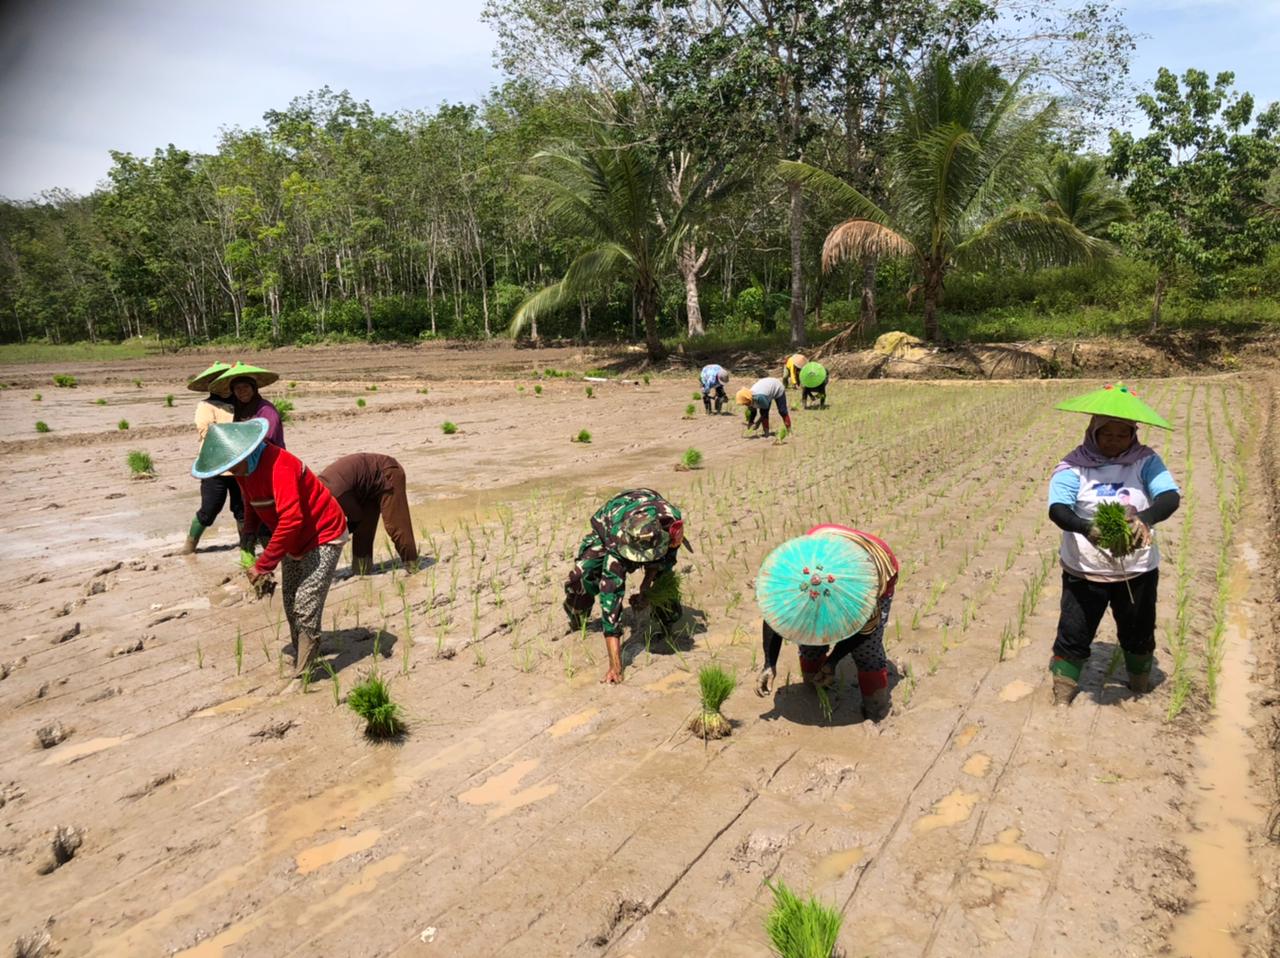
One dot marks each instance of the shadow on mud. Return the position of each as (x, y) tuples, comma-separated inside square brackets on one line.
[(346, 647)]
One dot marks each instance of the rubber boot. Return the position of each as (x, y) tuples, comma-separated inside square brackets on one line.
[(1139, 682), (1065, 689), (308, 651), (706, 404), (193, 536), (874, 686)]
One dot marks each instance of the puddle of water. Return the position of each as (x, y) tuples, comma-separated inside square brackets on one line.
[(230, 707), (1015, 690), (363, 885), (571, 722), (1006, 851), (978, 765), (70, 753), (1218, 844), (950, 810), (669, 683), (318, 856), (501, 790), (834, 866), (965, 736)]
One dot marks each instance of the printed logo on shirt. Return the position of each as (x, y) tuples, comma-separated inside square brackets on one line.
[(1107, 488)]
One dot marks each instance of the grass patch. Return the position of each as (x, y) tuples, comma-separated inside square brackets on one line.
[(140, 464), (42, 426), (448, 428), (360, 403), (64, 381), (714, 687), (800, 929), (168, 400), (16, 353), (99, 402), (371, 700)]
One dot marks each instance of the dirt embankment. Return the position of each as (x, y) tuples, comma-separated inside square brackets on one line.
[(1267, 730)]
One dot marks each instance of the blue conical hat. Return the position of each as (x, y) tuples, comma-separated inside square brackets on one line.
[(817, 590)]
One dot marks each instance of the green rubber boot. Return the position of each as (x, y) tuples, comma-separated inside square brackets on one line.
[(193, 536)]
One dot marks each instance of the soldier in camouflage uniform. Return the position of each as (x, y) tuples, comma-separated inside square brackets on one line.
[(636, 529)]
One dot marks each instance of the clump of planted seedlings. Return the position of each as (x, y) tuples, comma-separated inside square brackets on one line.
[(64, 381), (714, 686), (360, 403), (800, 929), (371, 700), (688, 411), (122, 425), (664, 594), (591, 393), (448, 428), (1114, 532), (140, 464), (42, 426), (691, 459), (582, 436), (168, 401)]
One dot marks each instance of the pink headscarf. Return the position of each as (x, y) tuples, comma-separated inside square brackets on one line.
[(1087, 455)]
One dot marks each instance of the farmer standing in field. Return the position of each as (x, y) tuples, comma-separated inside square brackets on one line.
[(366, 485), (813, 385), (763, 394), (713, 379), (215, 490), (240, 385), (308, 527), (636, 529), (830, 591), (791, 368), (1110, 465)]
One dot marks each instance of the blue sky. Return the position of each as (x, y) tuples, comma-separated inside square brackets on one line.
[(81, 77)]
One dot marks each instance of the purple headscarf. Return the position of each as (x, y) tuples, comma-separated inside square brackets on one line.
[(1087, 455)]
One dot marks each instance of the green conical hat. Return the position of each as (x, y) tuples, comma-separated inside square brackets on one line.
[(1118, 401), (227, 443), (813, 375), (204, 380), (263, 377)]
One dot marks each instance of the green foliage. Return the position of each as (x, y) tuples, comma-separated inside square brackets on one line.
[(1114, 532), (360, 403), (140, 463), (715, 685), (691, 459), (448, 428), (664, 593), (538, 389), (62, 380), (285, 408), (371, 700), (646, 379), (122, 425), (168, 401), (42, 426), (596, 374), (372, 388), (591, 393), (688, 411), (696, 396), (800, 929), (99, 402), (37, 398), (582, 436), (138, 383)]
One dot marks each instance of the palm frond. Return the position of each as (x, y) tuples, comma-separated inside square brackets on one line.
[(851, 201), (859, 239), (1028, 237), (587, 273)]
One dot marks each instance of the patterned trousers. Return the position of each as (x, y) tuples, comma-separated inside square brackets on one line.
[(305, 586)]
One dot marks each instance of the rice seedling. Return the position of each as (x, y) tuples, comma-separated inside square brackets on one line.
[(371, 700), (714, 686), (333, 679), (64, 381), (37, 398), (360, 403), (99, 402), (537, 389), (1114, 532), (293, 384), (691, 459), (285, 408), (140, 464), (42, 426), (122, 425), (138, 383), (824, 703), (582, 436), (646, 379), (780, 437), (168, 401), (664, 593), (372, 388), (448, 428), (697, 396), (266, 652), (591, 393), (688, 411), (800, 929)]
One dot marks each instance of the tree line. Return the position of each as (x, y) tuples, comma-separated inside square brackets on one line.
[(653, 168)]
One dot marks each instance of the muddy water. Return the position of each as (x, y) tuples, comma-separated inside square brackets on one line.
[(1218, 847), (72, 752), (949, 810)]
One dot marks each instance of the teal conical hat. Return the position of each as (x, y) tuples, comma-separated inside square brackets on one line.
[(1116, 400), (263, 377), (204, 380), (817, 590), (227, 443), (813, 375)]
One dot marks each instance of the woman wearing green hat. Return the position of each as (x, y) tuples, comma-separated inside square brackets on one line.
[(240, 385), (1110, 465), (846, 580), (308, 526), (215, 490), (813, 385)]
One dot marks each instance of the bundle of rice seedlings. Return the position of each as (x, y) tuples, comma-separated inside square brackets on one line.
[(591, 393), (122, 425), (448, 428), (371, 700), (664, 594), (1114, 532), (360, 403), (582, 436), (781, 435), (42, 426), (801, 929), (140, 464), (715, 685), (691, 459), (688, 411)]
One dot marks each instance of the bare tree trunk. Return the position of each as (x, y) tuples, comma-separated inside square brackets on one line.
[(690, 263), (1158, 301), (647, 304), (932, 293), (798, 337), (867, 307), (584, 315)]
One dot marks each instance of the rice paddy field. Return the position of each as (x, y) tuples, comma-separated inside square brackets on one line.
[(159, 795)]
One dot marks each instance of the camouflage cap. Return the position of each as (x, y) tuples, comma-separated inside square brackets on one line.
[(642, 538)]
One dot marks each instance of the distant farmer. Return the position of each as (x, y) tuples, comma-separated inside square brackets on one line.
[(215, 490), (763, 394), (713, 378), (636, 529), (830, 591), (813, 385), (1110, 465), (308, 527), (368, 485), (791, 369), (240, 385)]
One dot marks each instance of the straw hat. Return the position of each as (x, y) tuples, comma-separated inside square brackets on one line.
[(262, 377), (204, 380), (817, 590), (226, 444), (1117, 401)]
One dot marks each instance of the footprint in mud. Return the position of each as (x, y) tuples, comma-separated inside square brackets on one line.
[(965, 736), (1016, 690), (571, 723), (949, 810), (977, 765), (1006, 851), (501, 790)]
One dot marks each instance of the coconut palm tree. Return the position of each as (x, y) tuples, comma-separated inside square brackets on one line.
[(613, 197), (962, 152), (1076, 188)]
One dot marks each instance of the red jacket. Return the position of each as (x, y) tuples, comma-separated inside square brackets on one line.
[(284, 494)]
